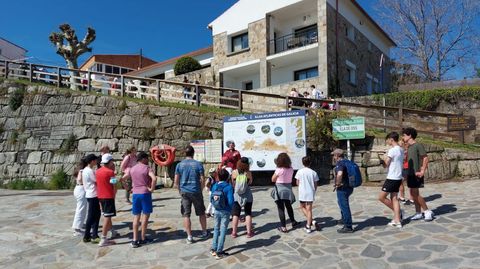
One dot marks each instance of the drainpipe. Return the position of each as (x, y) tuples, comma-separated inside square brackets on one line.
[(337, 79)]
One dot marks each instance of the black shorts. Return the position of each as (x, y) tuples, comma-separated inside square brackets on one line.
[(237, 209), (414, 182), (192, 198), (108, 207), (391, 185)]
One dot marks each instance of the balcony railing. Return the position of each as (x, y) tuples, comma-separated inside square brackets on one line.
[(295, 40)]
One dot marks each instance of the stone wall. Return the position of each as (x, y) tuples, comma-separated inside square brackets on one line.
[(33, 137), (358, 53)]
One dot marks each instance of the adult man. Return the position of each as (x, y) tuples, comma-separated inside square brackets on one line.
[(93, 212), (231, 157), (343, 191), (189, 180), (143, 185), (417, 165), (394, 163), (106, 195)]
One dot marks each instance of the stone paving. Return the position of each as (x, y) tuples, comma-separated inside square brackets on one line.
[(35, 233)]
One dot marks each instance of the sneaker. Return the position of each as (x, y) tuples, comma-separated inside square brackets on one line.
[(345, 230), (314, 225), (77, 233), (307, 229), (402, 200), (146, 241), (417, 216), (213, 252), (189, 240), (221, 255), (87, 240), (95, 240), (428, 215), (394, 224), (204, 235), (105, 242), (135, 244)]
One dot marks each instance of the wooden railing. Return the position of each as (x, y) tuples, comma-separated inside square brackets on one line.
[(376, 116)]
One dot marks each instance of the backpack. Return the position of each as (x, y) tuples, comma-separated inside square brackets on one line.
[(241, 183), (218, 198), (353, 172)]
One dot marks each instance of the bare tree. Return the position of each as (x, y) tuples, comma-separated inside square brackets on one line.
[(68, 46), (434, 36)]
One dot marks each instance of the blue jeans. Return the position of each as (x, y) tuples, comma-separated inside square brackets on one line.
[(222, 218), (343, 193)]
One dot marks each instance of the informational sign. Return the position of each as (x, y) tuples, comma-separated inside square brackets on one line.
[(207, 151), (349, 128), (261, 137), (461, 123)]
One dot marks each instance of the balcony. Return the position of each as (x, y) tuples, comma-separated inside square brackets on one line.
[(300, 38)]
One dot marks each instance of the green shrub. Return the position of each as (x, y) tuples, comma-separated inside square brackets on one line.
[(68, 145), (16, 99), (186, 65), (59, 180), (319, 128), (13, 137), (123, 106), (26, 184), (201, 134)]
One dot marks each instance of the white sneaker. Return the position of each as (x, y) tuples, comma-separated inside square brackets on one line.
[(105, 242), (307, 229), (417, 216), (428, 215), (394, 224), (314, 225)]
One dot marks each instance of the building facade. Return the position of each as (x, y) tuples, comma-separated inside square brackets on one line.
[(11, 52), (116, 63)]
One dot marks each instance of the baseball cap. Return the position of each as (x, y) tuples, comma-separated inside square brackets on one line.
[(106, 158), (337, 152)]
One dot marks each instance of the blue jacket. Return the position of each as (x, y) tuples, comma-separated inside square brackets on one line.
[(228, 190)]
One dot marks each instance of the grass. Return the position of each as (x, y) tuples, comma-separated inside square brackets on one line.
[(25, 184)]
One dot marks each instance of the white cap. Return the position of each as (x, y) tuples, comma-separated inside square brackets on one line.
[(106, 158)]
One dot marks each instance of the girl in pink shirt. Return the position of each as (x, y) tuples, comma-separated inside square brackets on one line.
[(129, 160)]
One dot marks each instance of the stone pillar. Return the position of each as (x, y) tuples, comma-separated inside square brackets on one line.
[(322, 46), (264, 73)]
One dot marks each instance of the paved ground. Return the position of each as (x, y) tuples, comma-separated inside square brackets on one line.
[(35, 233)]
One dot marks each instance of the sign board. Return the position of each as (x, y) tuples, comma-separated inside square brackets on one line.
[(461, 123), (349, 128), (207, 151), (261, 137)]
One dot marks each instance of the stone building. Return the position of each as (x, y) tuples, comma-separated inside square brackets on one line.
[(272, 46)]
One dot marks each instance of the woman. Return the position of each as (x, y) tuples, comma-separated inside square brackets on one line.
[(242, 179), (79, 194), (282, 192), (129, 160)]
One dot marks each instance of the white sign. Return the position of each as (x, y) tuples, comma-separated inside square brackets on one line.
[(261, 137)]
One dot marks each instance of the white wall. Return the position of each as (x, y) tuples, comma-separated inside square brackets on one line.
[(244, 12), (285, 74), (286, 27), (237, 83), (11, 52), (203, 59), (368, 29)]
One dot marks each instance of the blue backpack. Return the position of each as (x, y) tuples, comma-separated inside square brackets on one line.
[(218, 198), (353, 173)]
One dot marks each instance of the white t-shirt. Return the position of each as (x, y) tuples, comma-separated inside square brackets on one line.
[(306, 188), (396, 163), (89, 182)]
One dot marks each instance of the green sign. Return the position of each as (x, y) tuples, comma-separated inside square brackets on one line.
[(349, 128)]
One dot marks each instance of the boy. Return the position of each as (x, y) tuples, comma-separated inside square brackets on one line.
[(417, 166), (223, 206), (106, 195), (93, 213), (307, 180), (394, 163)]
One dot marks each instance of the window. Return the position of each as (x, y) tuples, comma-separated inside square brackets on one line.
[(124, 70), (248, 85), (116, 70), (369, 84), (306, 73), (350, 32), (108, 69), (240, 42), (308, 32), (99, 67), (351, 73)]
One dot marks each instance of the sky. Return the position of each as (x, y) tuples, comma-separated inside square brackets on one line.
[(162, 29)]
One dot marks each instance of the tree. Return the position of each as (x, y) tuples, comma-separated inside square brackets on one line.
[(403, 74), (186, 65), (434, 36), (68, 46)]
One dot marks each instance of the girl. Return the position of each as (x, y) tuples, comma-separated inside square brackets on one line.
[(212, 175), (242, 179), (129, 160), (79, 194), (282, 192)]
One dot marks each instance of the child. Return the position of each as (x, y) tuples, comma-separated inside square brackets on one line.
[(307, 181), (212, 174), (242, 179), (222, 200)]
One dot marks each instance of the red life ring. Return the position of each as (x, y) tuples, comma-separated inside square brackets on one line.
[(163, 155)]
